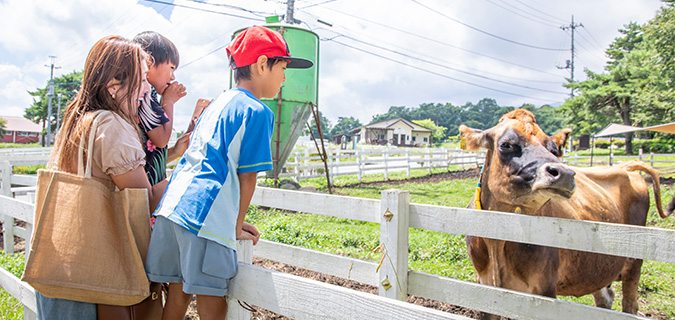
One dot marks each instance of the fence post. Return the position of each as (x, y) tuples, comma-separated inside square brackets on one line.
[(576, 159), (394, 224), (651, 157), (244, 255), (338, 155), (640, 154), (331, 167), (308, 172), (6, 177), (611, 157), (429, 161), (358, 164), (407, 159), (296, 164), (29, 314), (385, 157), (7, 221)]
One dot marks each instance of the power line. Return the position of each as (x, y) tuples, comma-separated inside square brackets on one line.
[(316, 4), (592, 37), (440, 42), (202, 9), (542, 12), (204, 56), (436, 73), (483, 32), (520, 14), (448, 67), (257, 13)]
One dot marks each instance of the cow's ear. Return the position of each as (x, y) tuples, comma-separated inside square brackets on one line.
[(560, 140), (473, 139)]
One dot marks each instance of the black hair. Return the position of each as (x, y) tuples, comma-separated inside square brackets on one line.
[(161, 49), (244, 73)]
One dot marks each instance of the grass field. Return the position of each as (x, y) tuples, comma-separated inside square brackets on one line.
[(430, 252), (10, 308), (433, 252)]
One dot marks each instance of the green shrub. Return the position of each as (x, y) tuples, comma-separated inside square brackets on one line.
[(27, 169), (655, 145)]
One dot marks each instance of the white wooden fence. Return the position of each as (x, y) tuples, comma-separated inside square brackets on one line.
[(307, 163), (301, 298)]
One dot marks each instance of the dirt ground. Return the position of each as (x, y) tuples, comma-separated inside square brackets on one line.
[(262, 314)]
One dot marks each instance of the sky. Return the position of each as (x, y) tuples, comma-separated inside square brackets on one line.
[(374, 54)]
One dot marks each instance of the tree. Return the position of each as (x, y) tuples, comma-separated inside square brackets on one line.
[(325, 127), (394, 112), (483, 115), (3, 125), (615, 95), (344, 125), (659, 37), (65, 87), (437, 132), (549, 118)]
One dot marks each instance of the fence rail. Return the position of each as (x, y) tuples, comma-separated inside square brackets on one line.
[(291, 296), (285, 293)]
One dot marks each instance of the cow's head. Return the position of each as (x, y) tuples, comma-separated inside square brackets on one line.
[(522, 169)]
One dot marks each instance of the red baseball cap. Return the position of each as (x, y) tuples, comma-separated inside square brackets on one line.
[(255, 41)]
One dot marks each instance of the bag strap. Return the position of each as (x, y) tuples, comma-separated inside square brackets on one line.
[(81, 170)]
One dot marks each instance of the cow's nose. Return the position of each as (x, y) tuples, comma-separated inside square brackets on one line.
[(555, 176)]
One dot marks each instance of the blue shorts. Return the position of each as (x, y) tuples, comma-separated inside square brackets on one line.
[(177, 255)]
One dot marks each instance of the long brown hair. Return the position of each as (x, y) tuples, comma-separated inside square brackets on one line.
[(111, 58)]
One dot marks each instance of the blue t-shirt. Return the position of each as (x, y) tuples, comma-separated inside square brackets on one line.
[(233, 136)]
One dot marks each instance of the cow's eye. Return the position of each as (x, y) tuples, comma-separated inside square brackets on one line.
[(505, 146)]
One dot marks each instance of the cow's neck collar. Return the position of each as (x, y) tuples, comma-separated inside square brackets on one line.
[(478, 203), (476, 200)]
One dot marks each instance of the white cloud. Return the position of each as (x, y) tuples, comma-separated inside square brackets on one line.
[(352, 82)]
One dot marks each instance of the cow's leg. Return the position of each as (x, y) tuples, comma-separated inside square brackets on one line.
[(630, 277), (604, 297)]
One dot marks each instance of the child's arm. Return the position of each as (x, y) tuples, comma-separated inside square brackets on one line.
[(160, 136), (197, 112), (181, 145), (247, 182), (179, 148)]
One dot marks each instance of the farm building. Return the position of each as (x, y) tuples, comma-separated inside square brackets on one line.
[(20, 130), (396, 131)]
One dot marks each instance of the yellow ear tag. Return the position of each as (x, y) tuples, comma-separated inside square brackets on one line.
[(462, 144)]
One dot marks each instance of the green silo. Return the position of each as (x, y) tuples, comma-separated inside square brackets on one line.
[(293, 105)]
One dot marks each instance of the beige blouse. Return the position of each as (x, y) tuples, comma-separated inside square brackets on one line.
[(117, 148)]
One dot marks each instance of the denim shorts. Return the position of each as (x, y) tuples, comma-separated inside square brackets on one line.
[(177, 255), (62, 309)]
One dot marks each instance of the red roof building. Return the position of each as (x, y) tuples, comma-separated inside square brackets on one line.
[(20, 130)]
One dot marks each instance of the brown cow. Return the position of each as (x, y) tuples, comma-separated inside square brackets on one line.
[(523, 174)]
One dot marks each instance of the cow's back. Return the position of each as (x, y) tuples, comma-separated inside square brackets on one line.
[(605, 194)]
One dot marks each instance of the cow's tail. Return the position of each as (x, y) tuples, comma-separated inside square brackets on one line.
[(636, 165)]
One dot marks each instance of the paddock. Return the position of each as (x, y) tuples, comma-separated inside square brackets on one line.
[(302, 298)]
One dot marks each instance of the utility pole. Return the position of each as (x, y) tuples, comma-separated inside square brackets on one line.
[(570, 63), (290, 9), (58, 114), (50, 94)]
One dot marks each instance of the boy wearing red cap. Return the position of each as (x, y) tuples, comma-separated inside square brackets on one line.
[(200, 216)]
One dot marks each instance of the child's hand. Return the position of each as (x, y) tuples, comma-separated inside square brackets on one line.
[(199, 108), (173, 93), (249, 232), (182, 143)]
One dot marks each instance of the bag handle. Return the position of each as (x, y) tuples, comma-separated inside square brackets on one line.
[(81, 171)]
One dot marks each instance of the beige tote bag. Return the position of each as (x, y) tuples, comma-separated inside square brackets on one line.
[(89, 241)]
